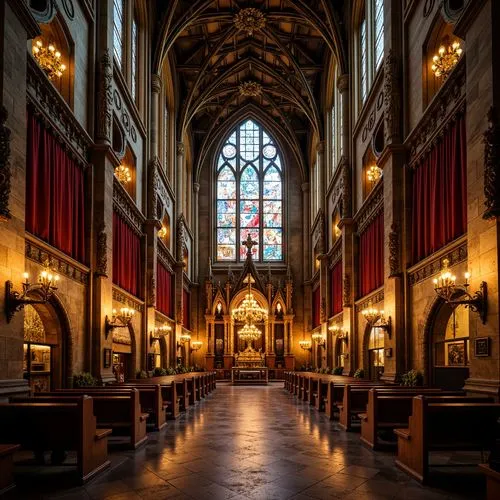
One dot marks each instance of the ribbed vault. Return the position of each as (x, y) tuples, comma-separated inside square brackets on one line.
[(274, 70)]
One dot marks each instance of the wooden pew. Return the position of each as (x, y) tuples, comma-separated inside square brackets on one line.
[(59, 427), (120, 411), (185, 392), (7, 466), (388, 410), (171, 399), (150, 398), (354, 400), (437, 426)]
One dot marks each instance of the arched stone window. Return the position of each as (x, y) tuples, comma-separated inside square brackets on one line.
[(249, 187)]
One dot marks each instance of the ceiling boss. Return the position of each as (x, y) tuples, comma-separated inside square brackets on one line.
[(249, 20)]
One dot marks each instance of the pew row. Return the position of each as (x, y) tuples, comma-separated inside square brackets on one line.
[(7, 466), (438, 426), (120, 411), (58, 427)]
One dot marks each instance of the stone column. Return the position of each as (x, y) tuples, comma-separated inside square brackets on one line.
[(178, 178), (306, 224), (320, 149), (343, 88), (156, 85), (196, 190), (17, 26)]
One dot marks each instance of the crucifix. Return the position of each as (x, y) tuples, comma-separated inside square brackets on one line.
[(249, 243)]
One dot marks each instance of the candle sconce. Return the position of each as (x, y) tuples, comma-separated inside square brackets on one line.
[(160, 331), (121, 320)]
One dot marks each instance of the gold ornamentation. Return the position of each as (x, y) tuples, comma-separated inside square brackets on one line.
[(122, 173), (34, 330), (249, 20), (250, 89), (446, 59), (49, 59)]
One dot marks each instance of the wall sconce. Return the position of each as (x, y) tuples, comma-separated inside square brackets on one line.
[(160, 331), (339, 332), (15, 301), (446, 59), (196, 345), (376, 318), (121, 320), (185, 337), (446, 288), (337, 231), (49, 59), (373, 174), (344, 355), (122, 173), (319, 338), (305, 344)]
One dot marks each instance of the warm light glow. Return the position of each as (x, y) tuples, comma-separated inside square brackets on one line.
[(319, 338), (219, 308), (162, 232), (305, 344), (49, 59), (249, 332), (196, 345), (373, 174), (185, 337), (374, 317), (249, 311), (122, 173), (446, 59)]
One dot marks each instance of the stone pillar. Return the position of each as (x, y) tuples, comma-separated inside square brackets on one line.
[(345, 138), (156, 85), (477, 27), (178, 178), (17, 26), (306, 222), (195, 218), (320, 149)]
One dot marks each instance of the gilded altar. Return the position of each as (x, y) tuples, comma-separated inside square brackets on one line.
[(249, 358)]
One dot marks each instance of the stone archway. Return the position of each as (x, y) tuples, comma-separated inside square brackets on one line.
[(48, 342)]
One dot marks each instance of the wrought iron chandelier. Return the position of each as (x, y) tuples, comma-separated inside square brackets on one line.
[(249, 311), (446, 288), (376, 318)]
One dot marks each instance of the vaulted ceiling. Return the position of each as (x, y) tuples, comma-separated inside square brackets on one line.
[(265, 57)]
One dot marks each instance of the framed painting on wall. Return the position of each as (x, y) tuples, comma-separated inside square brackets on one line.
[(455, 353), (482, 347)]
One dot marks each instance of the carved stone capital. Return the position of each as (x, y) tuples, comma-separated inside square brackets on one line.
[(180, 149), (305, 187), (196, 187), (156, 83), (343, 83), (320, 147)]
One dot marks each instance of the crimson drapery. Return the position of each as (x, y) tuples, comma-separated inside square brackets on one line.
[(439, 212), (55, 193), (186, 309), (336, 278), (164, 287), (127, 269), (371, 256), (316, 298)]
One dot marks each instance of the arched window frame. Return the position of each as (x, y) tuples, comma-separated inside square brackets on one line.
[(261, 165), (369, 46)]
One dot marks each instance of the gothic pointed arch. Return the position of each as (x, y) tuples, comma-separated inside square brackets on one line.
[(249, 186)]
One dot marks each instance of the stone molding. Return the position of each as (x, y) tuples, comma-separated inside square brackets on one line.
[(124, 298), (374, 297), (372, 206), (126, 207)]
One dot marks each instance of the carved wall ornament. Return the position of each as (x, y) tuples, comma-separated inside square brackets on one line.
[(394, 250), (5, 171), (154, 181), (181, 243), (34, 331), (391, 98), (105, 97), (152, 291), (346, 299), (491, 139), (346, 190), (373, 117), (102, 252), (180, 149), (127, 301), (322, 310)]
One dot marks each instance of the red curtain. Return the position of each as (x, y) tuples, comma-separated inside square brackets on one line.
[(316, 298), (127, 268), (439, 212), (164, 287), (55, 193), (371, 256), (336, 278), (186, 309)]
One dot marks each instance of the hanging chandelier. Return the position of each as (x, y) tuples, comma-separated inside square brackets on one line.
[(122, 173), (305, 344), (249, 332), (373, 174), (49, 59), (446, 59), (249, 311)]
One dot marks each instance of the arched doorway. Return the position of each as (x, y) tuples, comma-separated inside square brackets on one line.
[(375, 353), (449, 346), (47, 349), (339, 352), (124, 353)]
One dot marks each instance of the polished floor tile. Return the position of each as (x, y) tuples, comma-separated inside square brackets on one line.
[(252, 443)]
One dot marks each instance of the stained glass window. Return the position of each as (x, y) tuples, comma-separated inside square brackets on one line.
[(249, 186)]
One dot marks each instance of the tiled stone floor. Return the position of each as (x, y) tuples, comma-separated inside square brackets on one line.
[(252, 443)]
